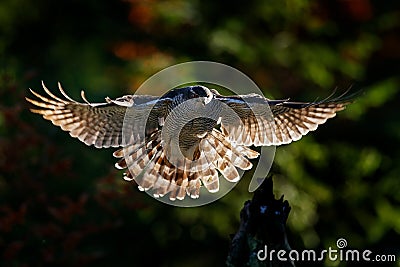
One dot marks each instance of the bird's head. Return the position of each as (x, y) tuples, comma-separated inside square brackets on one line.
[(196, 92), (202, 92)]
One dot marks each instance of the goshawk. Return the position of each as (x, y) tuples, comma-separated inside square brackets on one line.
[(179, 142)]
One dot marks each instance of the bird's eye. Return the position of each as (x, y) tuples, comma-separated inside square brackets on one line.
[(199, 91), (193, 94)]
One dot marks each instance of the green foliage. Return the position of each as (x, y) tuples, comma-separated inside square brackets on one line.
[(62, 203)]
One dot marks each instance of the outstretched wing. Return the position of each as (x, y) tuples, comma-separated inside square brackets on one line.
[(98, 124), (261, 121)]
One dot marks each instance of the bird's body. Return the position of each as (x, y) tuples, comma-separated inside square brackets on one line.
[(178, 142)]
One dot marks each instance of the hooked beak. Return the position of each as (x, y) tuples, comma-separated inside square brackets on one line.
[(208, 98)]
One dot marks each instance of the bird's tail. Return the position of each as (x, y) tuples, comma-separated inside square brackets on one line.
[(149, 166)]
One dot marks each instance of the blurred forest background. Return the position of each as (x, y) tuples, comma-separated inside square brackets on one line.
[(63, 203)]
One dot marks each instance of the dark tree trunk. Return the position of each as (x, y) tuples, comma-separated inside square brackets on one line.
[(262, 229)]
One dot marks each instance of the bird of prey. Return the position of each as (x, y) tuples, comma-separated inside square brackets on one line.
[(176, 143)]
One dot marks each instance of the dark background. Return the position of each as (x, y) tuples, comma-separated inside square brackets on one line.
[(64, 204)]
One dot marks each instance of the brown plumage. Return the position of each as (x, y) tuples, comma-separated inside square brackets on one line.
[(177, 143)]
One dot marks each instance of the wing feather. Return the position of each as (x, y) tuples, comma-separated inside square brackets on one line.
[(259, 121), (98, 124)]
